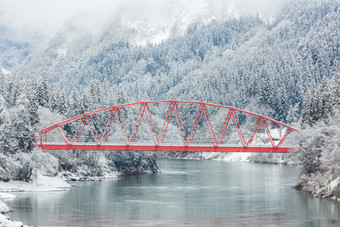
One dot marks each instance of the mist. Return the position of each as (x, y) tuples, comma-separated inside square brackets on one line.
[(48, 16)]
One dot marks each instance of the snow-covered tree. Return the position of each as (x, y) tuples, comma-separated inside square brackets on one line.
[(319, 146), (43, 91), (22, 130), (5, 126)]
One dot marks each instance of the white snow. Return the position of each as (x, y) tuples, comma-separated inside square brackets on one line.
[(4, 220), (6, 196), (334, 184), (5, 71), (62, 52), (42, 183), (4, 208), (236, 157), (7, 222)]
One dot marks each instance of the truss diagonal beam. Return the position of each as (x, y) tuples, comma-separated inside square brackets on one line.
[(256, 127), (122, 127), (268, 132), (108, 127), (167, 121), (284, 137), (210, 128), (82, 128), (63, 134), (81, 122), (180, 125), (93, 130), (237, 124), (137, 123), (224, 127), (151, 125), (194, 126)]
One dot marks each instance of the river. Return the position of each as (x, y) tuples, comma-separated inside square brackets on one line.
[(185, 193)]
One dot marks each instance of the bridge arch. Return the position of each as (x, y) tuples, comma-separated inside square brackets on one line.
[(99, 126)]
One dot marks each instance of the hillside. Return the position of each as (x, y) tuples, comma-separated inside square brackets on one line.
[(244, 62)]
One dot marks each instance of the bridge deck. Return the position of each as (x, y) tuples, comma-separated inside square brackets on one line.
[(141, 147)]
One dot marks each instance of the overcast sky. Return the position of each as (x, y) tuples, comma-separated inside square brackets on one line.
[(50, 15)]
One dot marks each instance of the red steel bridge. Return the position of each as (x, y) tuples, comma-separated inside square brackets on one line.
[(170, 126)]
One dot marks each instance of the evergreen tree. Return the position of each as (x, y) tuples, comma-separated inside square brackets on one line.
[(5, 126), (13, 91), (74, 105), (58, 101), (43, 91), (307, 109), (5, 132), (33, 103), (334, 97), (22, 130)]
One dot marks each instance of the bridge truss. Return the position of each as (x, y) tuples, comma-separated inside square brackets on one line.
[(95, 130)]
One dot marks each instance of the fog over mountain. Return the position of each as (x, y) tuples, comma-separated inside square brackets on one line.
[(49, 16), (32, 24)]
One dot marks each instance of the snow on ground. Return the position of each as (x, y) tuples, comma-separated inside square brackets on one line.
[(235, 157), (335, 183), (6, 196), (42, 183), (3, 206), (4, 220), (7, 222)]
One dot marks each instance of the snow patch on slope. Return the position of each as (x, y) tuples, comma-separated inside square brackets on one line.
[(5, 71)]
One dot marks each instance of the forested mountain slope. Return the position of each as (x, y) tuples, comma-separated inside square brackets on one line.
[(245, 62), (14, 49)]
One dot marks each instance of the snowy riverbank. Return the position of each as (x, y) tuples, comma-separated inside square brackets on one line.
[(6, 221), (40, 184)]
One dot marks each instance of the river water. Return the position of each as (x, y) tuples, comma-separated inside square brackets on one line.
[(185, 193)]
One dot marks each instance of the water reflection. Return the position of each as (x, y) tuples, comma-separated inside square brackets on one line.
[(187, 192)]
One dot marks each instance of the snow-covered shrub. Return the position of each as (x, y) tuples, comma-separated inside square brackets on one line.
[(79, 164), (330, 158), (132, 162), (320, 144), (25, 172), (7, 168), (45, 162), (310, 153), (16, 167)]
